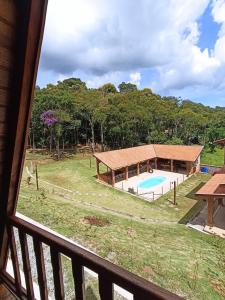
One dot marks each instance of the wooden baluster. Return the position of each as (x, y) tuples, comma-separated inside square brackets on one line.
[(78, 276), (15, 262), (105, 288), (57, 274), (40, 269), (26, 265)]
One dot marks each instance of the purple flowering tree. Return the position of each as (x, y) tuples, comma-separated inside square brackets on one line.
[(49, 119)]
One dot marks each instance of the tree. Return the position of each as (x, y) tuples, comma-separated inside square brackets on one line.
[(116, 120), (127, 87), (49, 119), (73, 83), (108, 88)]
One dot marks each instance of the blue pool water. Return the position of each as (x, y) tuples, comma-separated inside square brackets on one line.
[(150, 182)]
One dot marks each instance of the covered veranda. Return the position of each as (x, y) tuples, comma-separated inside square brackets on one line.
[(125, 163), (114, 175), (214, 193)]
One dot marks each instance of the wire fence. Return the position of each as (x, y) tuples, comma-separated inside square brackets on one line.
[(157, 192)]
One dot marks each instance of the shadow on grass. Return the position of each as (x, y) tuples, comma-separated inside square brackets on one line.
[(196, 208)]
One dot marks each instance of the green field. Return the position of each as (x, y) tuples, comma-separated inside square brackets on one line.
[(149, 239), (215, 158)]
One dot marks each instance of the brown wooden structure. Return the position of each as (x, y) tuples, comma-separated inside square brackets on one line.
[(214, 193), (21, 32), (125, 163)]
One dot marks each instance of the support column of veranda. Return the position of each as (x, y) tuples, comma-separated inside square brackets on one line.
[(97, 165), (138, 169), (210, 211), (113, 178), (171, 165), (224, 155), (156, 163), (148, 166)]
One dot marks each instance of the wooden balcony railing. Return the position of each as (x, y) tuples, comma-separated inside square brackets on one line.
[(108, 273)]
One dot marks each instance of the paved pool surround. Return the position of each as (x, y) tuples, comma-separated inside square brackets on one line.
[(156, 191)]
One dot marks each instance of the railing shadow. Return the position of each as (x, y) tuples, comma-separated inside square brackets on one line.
[(196, 208)]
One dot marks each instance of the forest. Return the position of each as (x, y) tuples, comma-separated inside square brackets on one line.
[(69, 113)]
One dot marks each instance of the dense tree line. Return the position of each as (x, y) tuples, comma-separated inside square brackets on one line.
[(69, 113)]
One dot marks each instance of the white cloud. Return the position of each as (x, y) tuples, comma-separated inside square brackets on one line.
[(114, 40), (135, 78)]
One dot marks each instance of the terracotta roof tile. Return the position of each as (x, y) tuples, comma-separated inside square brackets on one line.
[(211, 187), (126, 157), (178, 152)]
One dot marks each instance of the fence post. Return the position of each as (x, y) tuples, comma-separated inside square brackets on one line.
[(36, 173), (174, 193)]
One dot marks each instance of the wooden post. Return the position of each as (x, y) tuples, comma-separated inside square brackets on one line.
[(97, 165), (113, 178), (156, 163), (220, 201), (36, 175), (28, 29), (126, 173), (210, 211), (224, 155), (148, 166), (138, 169), (175, 193), (171, 165), (187, 168), (90, 162)]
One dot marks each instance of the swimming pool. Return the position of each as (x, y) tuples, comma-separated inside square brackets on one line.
[(151, 182)]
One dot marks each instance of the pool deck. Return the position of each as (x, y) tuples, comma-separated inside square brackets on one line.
[(155, 192)]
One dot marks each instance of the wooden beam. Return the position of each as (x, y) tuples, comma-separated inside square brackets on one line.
[(175, 193), (224, 155), (187, 168), (156, 163), (171, 165), (29, 33), (97, 166), (113, 178), (138, 169), (210, 211)]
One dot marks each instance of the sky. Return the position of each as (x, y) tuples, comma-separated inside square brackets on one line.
[(174, 47)]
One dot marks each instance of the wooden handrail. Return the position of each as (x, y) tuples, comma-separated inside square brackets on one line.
[(108, 273)]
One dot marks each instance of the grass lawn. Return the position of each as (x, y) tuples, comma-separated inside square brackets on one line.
[(215, 158), (157, 246)]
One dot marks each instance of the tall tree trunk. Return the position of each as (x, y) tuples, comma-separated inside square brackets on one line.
[(86, 134), (58, 149), (33, 142), (102, 137), (74, 136), (77, 136), (50, 144), (92, 136)]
